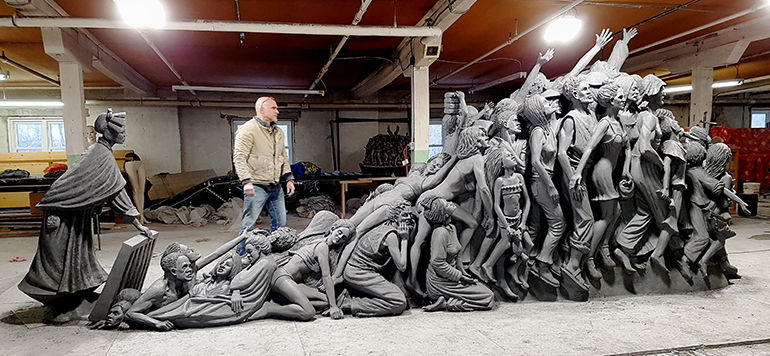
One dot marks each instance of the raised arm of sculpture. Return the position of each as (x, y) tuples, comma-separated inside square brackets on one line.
[(620, 51), (518, 96), (601, 41)]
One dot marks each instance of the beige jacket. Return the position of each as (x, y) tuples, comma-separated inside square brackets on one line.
[(259, 154)]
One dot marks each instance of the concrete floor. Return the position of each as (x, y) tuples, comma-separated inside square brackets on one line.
[(730, 321)]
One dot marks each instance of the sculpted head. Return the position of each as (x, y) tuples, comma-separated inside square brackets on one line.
[(111, 126), (258, 244), (435, 163), (536, 110), (695, 154), (717, 158), (176, 265), (436, 210), (340, 233), (228, 267), (471, 139), (283, 239)]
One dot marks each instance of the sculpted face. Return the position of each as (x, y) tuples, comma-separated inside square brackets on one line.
[(583, 93), (115, 316), (183, 270), (633, 93), (433, 166), (224, 267), (508, 161), (619, 101), (191, 254), (337, 236)]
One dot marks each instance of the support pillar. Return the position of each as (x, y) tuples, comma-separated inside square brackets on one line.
[(702, 95), (420, 113), (73, 97)]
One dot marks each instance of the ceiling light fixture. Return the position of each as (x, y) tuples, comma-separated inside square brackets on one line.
[(686, 88), (142, 13), (249, 90), (30, 103), (4, 75), (563, 29)]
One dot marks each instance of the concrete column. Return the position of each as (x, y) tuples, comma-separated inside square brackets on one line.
[(702, 94), (74, 100), (420, 113)]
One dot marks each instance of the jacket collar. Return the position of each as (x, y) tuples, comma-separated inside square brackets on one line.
[(265, 124)]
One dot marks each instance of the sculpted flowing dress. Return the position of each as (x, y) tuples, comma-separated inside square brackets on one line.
[(65, 262), (443, 278)]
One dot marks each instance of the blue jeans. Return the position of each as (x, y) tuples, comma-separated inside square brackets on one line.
[(252, 207)]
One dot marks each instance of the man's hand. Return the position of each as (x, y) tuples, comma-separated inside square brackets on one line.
[(236, 301), (290, 187), (248, 189)]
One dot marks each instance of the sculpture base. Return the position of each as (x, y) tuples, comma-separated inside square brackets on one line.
[(542, 291)]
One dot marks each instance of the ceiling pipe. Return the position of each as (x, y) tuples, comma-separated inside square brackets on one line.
[(165, 60), (250, 104), (510, 40), (247, 90), (24, 68), (700, 28), (364, 6), (229, 26)]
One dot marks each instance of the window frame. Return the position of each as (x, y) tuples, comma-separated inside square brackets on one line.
[(46, 140), (288, 134)]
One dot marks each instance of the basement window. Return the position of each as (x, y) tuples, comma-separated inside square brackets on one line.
[(435, 138), (36, 134), (759, 118), (286, 125)]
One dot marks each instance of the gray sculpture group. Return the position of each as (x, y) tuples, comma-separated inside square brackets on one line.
[(544, 193)]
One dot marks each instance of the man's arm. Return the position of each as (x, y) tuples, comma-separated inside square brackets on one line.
[(244, 142), (138, 311), (601, 40)]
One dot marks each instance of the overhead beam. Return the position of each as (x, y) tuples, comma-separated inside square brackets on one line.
[(89, 51), (723, 47), (229, 26), (442, 15)]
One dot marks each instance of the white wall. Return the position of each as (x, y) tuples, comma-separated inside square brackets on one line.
[(205, 138), (152, 132), (312, 138)]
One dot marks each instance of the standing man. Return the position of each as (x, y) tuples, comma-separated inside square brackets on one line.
[(261, 163)]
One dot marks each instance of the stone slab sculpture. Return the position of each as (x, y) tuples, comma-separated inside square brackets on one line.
[(128, 271)]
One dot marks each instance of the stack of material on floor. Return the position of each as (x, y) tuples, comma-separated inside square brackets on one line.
[(310, 206), (195, 216), (386, 150), (230, 214)]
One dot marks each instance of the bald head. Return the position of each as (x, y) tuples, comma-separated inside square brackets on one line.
[(267, 109)]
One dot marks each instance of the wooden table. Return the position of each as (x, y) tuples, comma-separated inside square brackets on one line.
[(345, 184)]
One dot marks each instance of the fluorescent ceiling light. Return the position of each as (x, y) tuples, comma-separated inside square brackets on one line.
[(29, 103), (726, 84), (142, 13), (5, 75), (248, 90), (563, 29), (686, 88)]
